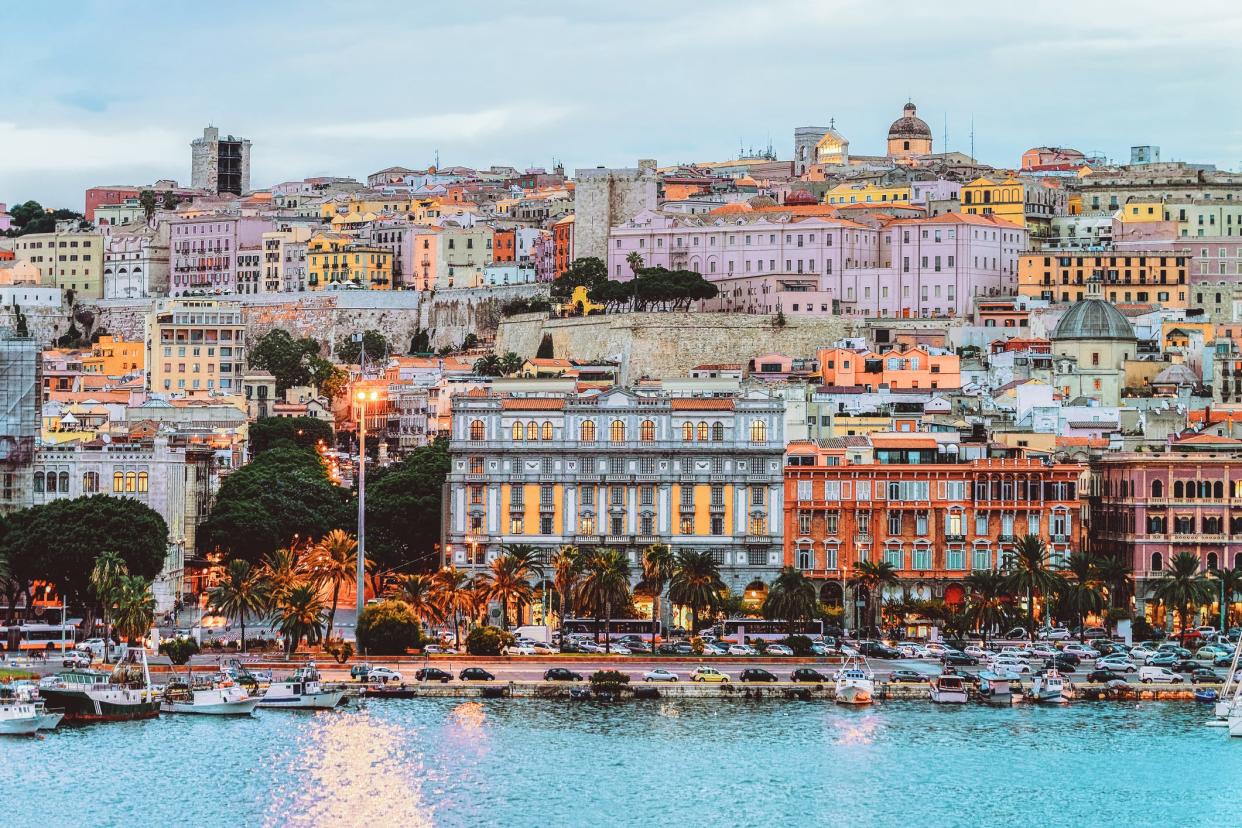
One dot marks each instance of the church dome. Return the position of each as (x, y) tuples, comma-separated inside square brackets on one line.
[(1094, 319), (909, 125), (800, 197)]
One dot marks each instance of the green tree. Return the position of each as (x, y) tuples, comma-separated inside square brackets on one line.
[(299, 616), (1030, 571), (302, 432), (873, 577), (373, 342), (32, 217), (1118, 576), (146, 198), (696, 584), (510, 363), (282, 569), (791, 598), (487, 366), (635, 261), (487, 641), (585, 272), (659, 564), (333, 562), (1081, 594), (506, 581), (389, 628), (1229, 581), (418, 591), (135, 607), (242, 592), (454, 595), (171, 200), (22, 561), (285, 358), (413, 486), (105, 582), (328, 378), (605, 586), (1183, 587), (986, 604), (566, 570), (179, 650)]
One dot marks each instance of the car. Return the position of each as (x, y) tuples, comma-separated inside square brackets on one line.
[(807, 674), (1081, 650), (954, 657), (976, 651), (708, 675), (358, 672), (900, 676), (561, 674), (715, 649), (76, 658), (1207, 632), (756, 674), (1203, 674), (659, 674), (1186, 665), (1091, 633), (876, 649), (1116, 663), (779, 650), (638, 646), (383, 675), (542, 649), (1015, 633), (1053, 634), (1141, 652), (1043, 651), (683, 648), (1170, 647), (1062, 662), (1103, 675), (619, 649), (1161, 660), (1011, 665), (818, 649), (1016, 652), (847, 650), (741, 650), (1152, 673), (518, 649), (433, 674), (439, 649), (911, 649), (1108, 648), (1222, 661), (589, 647), (475, 674), (94, 646)]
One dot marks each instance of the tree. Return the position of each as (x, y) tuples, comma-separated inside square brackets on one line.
[(348, 349), (452, 589), (179, 650), (1031, 573), (696, 583), (1230, 584), (135, 607), (1183, 587), (420, 343), (285, 358), (1082, 595), (414, 486), (635, 261), (282, 570), (487, 641), (487, 366), (873, 577), (146, 198), (302, 432), (546, 350), (585, 272), (21, 562), (791, 598), (470, 342), (506, 581), (605, 586), (171, 200), (658, 567), (333, 562), (566, 569), (389, 628), (243, 591), (417, 591), (986, 605), (1118, 576), (32, 217), (105, 582), (300, 616), (510, 363), (654, 288)]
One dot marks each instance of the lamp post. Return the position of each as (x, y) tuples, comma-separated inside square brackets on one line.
[(363, 398)]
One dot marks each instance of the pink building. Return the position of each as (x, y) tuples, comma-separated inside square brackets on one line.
[(204, 251), (769, 261), (6, 221)]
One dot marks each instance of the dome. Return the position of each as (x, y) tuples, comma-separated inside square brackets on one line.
[(1094, 319), (800, 197), (909, 125), (762, 201)]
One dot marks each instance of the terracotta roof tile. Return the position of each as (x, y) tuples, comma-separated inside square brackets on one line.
[(532, 403), (701, 404)]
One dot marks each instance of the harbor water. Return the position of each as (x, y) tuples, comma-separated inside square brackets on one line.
[(525, 762)]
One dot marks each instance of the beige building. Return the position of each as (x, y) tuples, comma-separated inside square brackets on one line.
[(195, 345), (70, 261), (284, 260)]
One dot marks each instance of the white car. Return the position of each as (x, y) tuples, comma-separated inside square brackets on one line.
[(94, 646), (1141, 652), (715, 649), (1011, 665), (975, 651), (779, 650), (620, 649), (1116, 663), (741, 650), (659, 674), (1054, 634), (1162, 674), (589, 647), (543, 649), (383, 675), (1015, 655), (1016, 652), (936, 649), (848, 651), (1081, 650), (1043, 650), (518, 649)]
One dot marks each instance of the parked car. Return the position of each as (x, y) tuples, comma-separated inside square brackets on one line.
[(1142, 652), (638, 646), (383, 675), (1151, 673), (439, 649), (358, 672), (976, 651), (1012, 665), (875, 649), (1015, 633), (475, 674), (561, 674), (778, 650), (1080, 650), (1053, 634), (1170, 647), (1064, 662), (708, 674), (756, 674), (1205, 675), (76, 658), (716, 649), (1091, 633), (659, 674), (741, 650), (1161, 660), (1043, 651), (433, 674), (807, 674), (953, 657), (1116, 663), (518, 649), (900, 676), (1103, 675), (1108, 648)]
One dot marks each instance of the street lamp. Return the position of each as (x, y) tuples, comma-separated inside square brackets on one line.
[(363, 398)]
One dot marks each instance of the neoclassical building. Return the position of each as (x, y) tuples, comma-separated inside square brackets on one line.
[(1090, 346)]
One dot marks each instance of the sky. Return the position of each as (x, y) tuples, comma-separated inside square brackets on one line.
[(113, 92)]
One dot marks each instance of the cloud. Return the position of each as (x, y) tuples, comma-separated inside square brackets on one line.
[(62, 148), (459, 126)]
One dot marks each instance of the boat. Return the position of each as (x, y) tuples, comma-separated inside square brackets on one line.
[(28, 692), (1207, 696), (1049, 687), (947, 688), (304, 691), (855, 683), (216, 698), (996, 688), (381, 692), (18, 718), (1230, 701), (96, 696)]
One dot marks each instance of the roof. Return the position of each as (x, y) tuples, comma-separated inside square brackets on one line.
[(885, 442), (532, 403), (909, 125), (1206, 439), (1094, 318), (701, 404)]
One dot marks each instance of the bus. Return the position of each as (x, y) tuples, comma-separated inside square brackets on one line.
[(617, 628), (30, 637), (743, 630)]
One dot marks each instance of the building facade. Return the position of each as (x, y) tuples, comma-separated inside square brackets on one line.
[(71, 261), (205, 249), (605, 198), (221, 165), (136, 265), (1158, 277), (195, 345)]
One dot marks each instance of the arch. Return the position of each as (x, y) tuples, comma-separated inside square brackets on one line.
[(717, 431), (687, 432), (477, 430), (1218, 489), (64, 481), (532, 430), (616, 431), (142, 481), (702, 431), (1157, 488), (547, 430), (758, 431), (954, 595), (1178, 489), (118, 481), (586, 432), (131, 481), (517, 432), (830, 594), (1157, 562), (647, 431), (1212, 562), (1205, 489), (756, 590), (1237, 560)]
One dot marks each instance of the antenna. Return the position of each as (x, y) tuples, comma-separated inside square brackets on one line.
[(972, 137)]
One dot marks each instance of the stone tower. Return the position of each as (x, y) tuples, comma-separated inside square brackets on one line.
[(221, 165), (605, 198)]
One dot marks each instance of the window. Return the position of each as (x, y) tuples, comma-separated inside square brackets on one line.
[(545, 495), (981, 558), (702, 432), (922, 557), (547, 430), (476, 430), (832, 522), (894, 556), (90, 482), (1157, 488), (588, 496), (758, 525), (118, 481), (587, 431), (757, 495), (687, 525), (616, 432), (758, 431), (894, 523), (586, 525), (955, 558), (687, 432), (717, 525), (717, 432), (646, 431), (142, 481), (804, 490), (131, 481), (616, 495), (804, 557), (545, 525)]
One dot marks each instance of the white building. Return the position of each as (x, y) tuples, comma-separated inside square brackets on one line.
[(135, 264)]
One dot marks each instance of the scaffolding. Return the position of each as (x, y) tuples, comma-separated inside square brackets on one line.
[(19, 417)]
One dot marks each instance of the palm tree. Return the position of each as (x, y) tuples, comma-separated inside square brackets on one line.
[(605, 586), (1117, 575), (510, 363), (696, 584), (566, 569), (1183, 586), (507, 580), (299, 616), (1230, 585), (282, 570), (658, 567), (135, 607), (791, 597), (242, 592), (1083, 595), (419, 592), (986, 608), (635, 261), (334, 561), (453, 595), (1031, 573), (105, 578), (873, 576)]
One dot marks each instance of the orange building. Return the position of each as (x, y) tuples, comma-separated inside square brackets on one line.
[(914, 502), (113, 357), (896, 369), (1158, 277), (504, 245), (562, 245)]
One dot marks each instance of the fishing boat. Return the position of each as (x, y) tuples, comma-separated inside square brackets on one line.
[(215, 698), (18, 718), (996, 688), (1206, 696), (947, 688), (1048, 687), (97, 696), (28, 692), (304, 691), (855, 683)]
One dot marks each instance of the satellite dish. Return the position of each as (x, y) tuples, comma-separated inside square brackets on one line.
[(107, 438)]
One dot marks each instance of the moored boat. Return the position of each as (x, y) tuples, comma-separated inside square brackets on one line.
[(304, 691), (996, 687), (215, 699), (28, 692), (18, 718), (855, 683), (1048, 687), (947, 688), (92, 696)]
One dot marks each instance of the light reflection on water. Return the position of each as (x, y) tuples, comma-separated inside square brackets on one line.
[(519, 762)]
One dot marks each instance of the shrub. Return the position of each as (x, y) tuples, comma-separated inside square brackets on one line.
[(340, 649), (800, 644), (697, 646), (487, 641), (608, 681), (179, 650), (760, 645), (389, 628)]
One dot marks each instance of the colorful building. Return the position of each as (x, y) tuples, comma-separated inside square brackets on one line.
[(562, 245), (114, 357), (1025, 202), (1156, 277), (868, 193), (204, 250), (917, 368), (71, 261), (195, 345), (335, 259)]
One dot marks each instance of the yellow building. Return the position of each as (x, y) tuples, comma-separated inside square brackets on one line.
[(394, 204), (1158, 277), (867, 194), (113, 357), (1141, 211), (1030, 204), (338, 259), (70, 261), (1183, 336), (195, 344)]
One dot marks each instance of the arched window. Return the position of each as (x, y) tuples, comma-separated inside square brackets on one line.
[(587, 431), (717, 432), (532, 430), (1237, 560), (517, 432), (1218, 490), (758, 431), (1157, 562), (118, 481), (476, 430), (616, 432), (90, 482), (1157, 488), (142, 481), (64, 481), (1178, 489), (1205, 489), (547, 430), (646, 431), (38, 482), (1212, 561), (131, 481), (687, 432), (702, 432)]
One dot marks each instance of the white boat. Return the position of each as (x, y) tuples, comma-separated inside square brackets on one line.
[(29, 692), (222, 699), (1048, 687), (855, 683), (1230, 703), (947, 688), (18, 718), (996, 687), (305, 691)]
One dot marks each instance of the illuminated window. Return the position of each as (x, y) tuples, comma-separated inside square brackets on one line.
[(646, 432), (687, 432), (616, 432), (476, 430), (758, 431), (517, 432), (118, 482), (131, 481), (702, 432), (687, 525), (587, 432), (758, 525), (142, 481), (547, 430), (90, 482), (532, 431)]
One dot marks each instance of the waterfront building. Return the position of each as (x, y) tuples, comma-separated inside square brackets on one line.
[(71, 260), (220, 165), (195, 344), (620, 469), (933, 507), (1143, 277)]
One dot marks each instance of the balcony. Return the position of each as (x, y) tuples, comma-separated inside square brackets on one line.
[(757, 540), (646, 540), (954, 538), (1198, 537), (618, 540), (587, 540)]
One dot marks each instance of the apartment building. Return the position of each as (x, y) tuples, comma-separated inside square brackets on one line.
[(1143, 277), (195, 345), (72, 261)]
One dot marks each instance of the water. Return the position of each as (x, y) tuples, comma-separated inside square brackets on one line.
[(525, 762)]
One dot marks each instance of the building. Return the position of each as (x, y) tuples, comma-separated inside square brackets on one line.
[(1031, 203), (1131, 276), (205, 250), (136, 264), (195, 345), (97, 197), (72, 261), (563, 253), (1091, 345), (896, 369), (284, 260), (605, 198), (20, 387), (220, 165), (924, 507), (115, 357), (337, 260), (909, 136), (618, 469), (1053, 160)]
